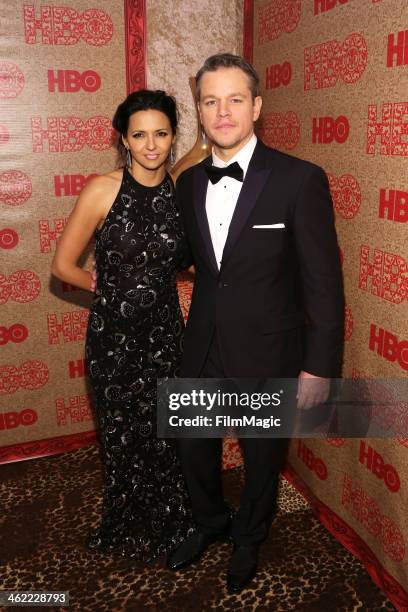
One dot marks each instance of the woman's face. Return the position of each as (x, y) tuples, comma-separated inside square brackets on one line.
[(149, 138)]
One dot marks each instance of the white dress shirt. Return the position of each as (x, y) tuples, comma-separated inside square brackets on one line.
[(222, 197)]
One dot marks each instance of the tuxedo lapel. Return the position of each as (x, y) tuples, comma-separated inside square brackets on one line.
[(255, 179), (200, 194)]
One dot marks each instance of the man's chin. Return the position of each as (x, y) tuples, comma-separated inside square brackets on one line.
[(225, 144)]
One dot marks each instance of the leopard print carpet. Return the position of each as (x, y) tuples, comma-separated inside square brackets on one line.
[(48, 505)]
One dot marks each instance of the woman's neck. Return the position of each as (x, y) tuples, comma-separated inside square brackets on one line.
[(149, 178)]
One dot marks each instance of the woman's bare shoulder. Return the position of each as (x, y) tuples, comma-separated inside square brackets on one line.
[(103, 185), (111, 180)]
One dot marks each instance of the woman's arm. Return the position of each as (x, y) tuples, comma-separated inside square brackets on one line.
[(90, 209)]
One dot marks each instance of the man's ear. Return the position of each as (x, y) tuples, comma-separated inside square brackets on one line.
[(257, 107)]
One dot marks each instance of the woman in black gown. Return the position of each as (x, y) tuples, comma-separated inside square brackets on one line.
[(135, 327)]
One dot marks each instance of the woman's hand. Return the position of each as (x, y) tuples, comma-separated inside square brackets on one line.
[(94, 276)]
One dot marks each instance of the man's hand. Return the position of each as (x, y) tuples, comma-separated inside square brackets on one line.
[(93, 276), (312, 390)]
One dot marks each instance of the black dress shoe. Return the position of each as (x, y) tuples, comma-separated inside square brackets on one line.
[(193, 548), (242, 567)]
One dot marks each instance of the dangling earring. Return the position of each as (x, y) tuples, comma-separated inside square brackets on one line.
[(172, 157), (128, 158)]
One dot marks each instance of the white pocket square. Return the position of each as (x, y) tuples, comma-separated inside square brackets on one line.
[(273, 226)]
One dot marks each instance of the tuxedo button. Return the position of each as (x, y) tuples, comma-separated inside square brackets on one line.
[(221, 285)]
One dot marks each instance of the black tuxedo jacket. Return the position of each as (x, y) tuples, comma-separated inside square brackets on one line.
[(277, 302)]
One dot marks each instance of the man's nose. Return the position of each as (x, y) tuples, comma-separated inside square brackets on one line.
[(223, 108)]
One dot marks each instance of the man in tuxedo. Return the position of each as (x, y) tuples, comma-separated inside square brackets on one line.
[(267, 299)]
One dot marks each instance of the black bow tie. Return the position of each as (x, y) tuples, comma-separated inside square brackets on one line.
[(233, 170)]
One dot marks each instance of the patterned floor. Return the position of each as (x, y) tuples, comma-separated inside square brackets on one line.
[(47, 506)]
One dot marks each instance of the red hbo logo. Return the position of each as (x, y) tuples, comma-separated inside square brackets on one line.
[(71, 81), (397, 49), (391, 129), (327, 129), (79, 409), (70, 184), (16, 333), (384, 471), (281, 131), (346, 194), (71, 134), (62, 25), (21, 286), (325, 63), (277, 17), (8, 238), (9, 420), (386, 273), (315, 464), (77, 369), (49, 235), (4, 135), (11, 80), (387, 345), (395, 203), (277, 75), (72, 327), (15, 187), (30, 375), (348, 324)]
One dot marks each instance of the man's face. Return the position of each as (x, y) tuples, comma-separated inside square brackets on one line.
[(227, 109)]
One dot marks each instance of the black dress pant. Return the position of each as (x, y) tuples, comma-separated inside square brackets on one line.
[(201, 464)]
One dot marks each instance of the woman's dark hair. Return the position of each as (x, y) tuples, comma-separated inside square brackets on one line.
[(144, 99)]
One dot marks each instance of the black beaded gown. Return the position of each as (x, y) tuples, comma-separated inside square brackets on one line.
[(135, 336)]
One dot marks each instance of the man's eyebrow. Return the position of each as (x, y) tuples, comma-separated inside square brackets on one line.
[(231, 95)]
